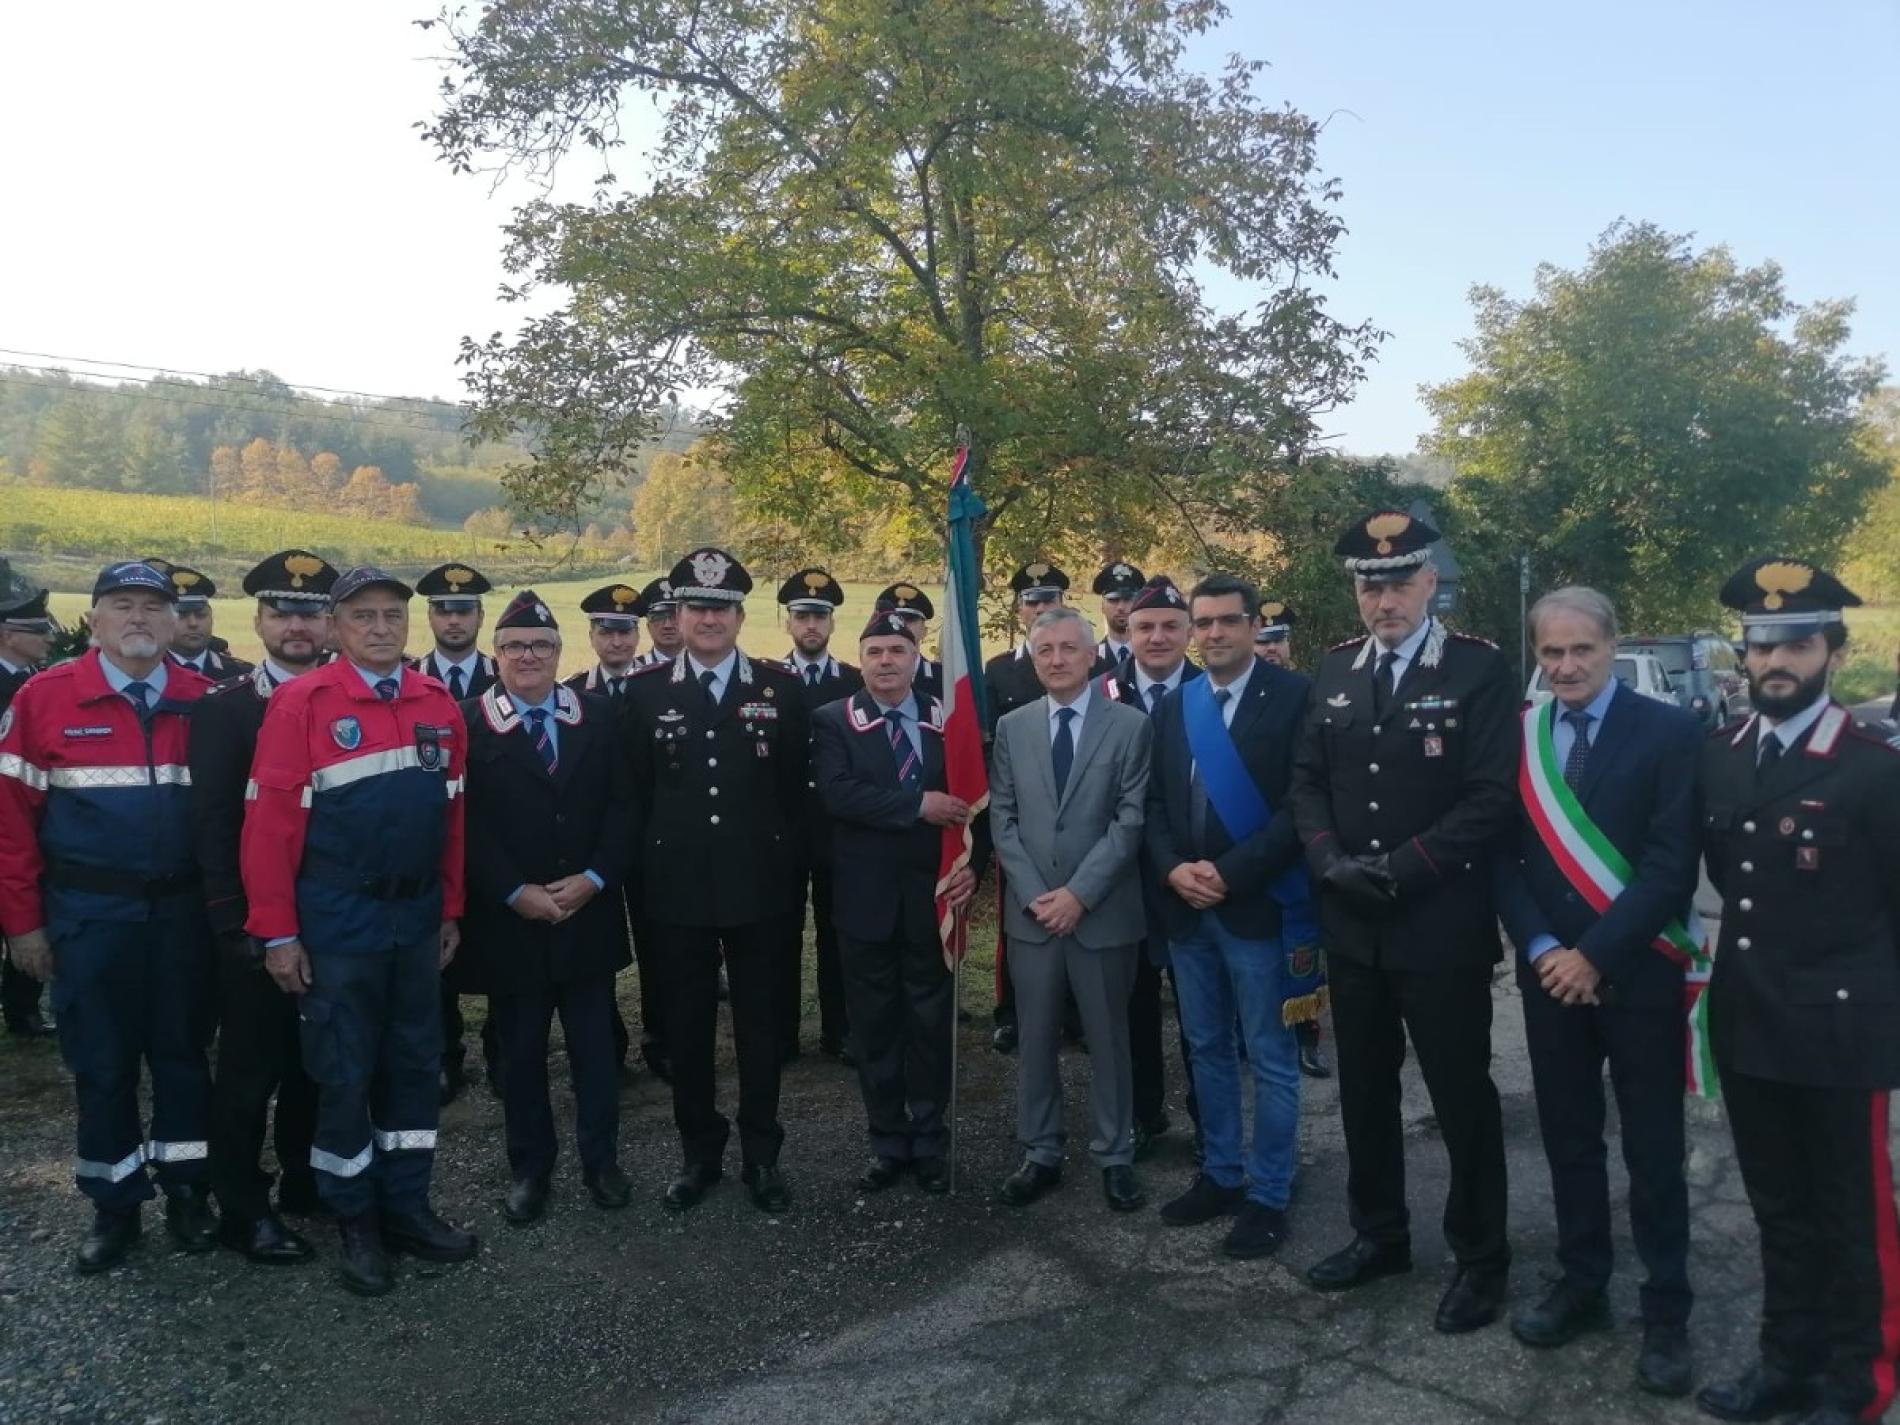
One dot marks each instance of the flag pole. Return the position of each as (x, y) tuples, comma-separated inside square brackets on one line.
[(956, 1013)]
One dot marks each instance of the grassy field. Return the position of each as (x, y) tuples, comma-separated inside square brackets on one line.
[(764, 632), (54, 537), (1873, 638)]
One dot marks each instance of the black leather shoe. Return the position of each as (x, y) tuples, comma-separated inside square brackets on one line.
[(267, 1241), (30, 1026), (1473, 1300), (1565, 1313), (298, 1196), (189, 1218), (449, 1082), (691, 1185), (839, 1049), (1003, 1041), (422, 1234), (932, 1174), (1358, 1263), (1665, 1366), (766, 1186), (365, 1265), (1260, 1231), (1313, 1064), (1203, 1201), (1763, 1393), (1028, 1183), (609, 1188), (107, 1241), (527, 1201), (1147, 1131), (1120, 1190), (880, 1173)]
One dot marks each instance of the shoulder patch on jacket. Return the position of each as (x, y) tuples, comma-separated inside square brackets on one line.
[(1349, 642), (1470, 638)]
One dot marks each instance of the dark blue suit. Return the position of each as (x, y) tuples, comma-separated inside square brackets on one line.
[(1638, 786)]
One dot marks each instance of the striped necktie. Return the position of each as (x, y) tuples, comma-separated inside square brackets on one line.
[(543, 738), (909, 770)]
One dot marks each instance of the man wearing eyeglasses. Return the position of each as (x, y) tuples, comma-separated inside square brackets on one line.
[(1405, 781), (550, 832)]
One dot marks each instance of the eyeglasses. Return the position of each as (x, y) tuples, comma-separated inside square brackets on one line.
[(537, 648)]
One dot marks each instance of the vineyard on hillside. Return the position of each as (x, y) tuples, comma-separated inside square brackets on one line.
[(56, 536)]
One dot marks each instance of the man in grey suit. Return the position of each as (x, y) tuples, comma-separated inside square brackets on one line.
[(1067, 787)]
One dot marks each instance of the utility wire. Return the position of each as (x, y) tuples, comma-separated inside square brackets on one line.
[(13, 377), (221, 376)]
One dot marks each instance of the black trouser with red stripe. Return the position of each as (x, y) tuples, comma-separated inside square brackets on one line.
[(1819, 1176)]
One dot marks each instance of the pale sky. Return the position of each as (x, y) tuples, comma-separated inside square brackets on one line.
[(221, 184)]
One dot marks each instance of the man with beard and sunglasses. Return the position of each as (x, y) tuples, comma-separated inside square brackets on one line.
[(1801, 830)]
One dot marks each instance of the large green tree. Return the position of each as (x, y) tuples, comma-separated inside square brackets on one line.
[(877, 222), (1647, 423)]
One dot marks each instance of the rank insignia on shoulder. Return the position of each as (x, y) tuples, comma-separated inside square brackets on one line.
[(347, 733)]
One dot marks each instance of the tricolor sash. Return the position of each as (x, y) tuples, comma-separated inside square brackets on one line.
[(1598, 872), (1233, 797)]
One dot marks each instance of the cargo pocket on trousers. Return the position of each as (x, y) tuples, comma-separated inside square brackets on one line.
[(319, 1035)]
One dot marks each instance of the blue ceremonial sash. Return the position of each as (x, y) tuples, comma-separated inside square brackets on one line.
[(1233, 796)]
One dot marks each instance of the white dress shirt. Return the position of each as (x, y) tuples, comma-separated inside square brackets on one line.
[(721, 671), (1080, 707)]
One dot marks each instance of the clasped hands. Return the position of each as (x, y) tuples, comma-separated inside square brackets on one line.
[(1366, 879), (1568, 976), (1198, 883), (557, 900)]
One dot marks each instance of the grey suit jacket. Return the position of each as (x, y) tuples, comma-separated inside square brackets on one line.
[(1087, 841)]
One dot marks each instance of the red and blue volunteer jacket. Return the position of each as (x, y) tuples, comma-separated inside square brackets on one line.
[(86, 790), (353, 829)]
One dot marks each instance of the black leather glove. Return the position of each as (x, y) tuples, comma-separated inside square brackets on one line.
[(1360, 882), (1380, 869)]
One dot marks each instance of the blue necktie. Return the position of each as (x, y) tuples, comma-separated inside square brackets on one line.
[(909, 770), (386, 689), (1579, 754), (1156, 692), (1062, 750), (544, 737), (455, 684), (141, 695), (812, 673), (706, 682)]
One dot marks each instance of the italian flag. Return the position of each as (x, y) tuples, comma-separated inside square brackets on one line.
[(963, 705), (1597, 871)]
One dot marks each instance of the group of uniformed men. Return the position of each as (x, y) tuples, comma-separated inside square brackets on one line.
[(317, 856)]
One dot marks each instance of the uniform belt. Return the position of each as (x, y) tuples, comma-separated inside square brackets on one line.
[(380, 888), (105, 881)]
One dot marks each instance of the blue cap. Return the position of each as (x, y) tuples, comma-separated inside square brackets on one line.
[(132, 574), (366, 576)]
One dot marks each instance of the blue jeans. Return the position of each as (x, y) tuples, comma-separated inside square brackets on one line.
[(1216, 975)]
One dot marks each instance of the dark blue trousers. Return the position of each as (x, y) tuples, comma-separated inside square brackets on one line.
[(372, 1041), (586, 1009), (126, 992)]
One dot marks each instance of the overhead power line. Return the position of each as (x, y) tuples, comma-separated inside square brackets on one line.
[(14, 377), (143, 366)]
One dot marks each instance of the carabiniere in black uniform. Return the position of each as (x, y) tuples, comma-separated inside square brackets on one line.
[(1803, 840), (258, 1037), (721, 789), (1415, 783)]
